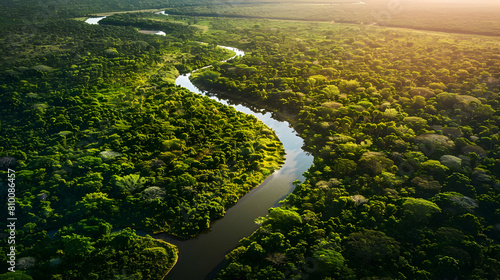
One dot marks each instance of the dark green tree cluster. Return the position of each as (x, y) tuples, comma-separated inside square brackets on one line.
[(174, 30), (33, 11), (88, 250), (404, 128)]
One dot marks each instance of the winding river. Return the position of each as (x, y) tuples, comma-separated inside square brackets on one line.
[(203, 256)]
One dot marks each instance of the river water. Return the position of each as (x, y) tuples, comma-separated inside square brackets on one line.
[(94, 20), (203, 256)]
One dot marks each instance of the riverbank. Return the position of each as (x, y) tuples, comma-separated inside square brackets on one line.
[(174, 262), (203, 255), (284, 116), (208, 248)]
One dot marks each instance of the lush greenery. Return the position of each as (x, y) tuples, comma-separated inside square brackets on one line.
[(87, 250), (35, 11), (404, 128), (475, 17), (101, 138)]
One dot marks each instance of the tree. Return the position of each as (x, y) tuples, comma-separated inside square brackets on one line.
[(371, 247), (434, 168), (483, 112), (77, 246), (130, 183), (329, 261), (458, 182), (282, 218), (452, 162), (18, 275), (421, 92), (269, 273), (348, 86), (448, 267), (471, 223), (415, 123), (343, 167), (93, 227), (255, 252), (434, 144), (330, 91), (419, 209), (97, 204), (236, 271), (153, 193), (375, 162), (426, 186)]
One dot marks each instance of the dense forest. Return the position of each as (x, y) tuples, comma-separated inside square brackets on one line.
[(101, 139), (404, 129), (14, 12), (403, 126)]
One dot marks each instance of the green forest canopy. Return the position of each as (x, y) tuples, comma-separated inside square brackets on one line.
[(102, 139), (403, 126)]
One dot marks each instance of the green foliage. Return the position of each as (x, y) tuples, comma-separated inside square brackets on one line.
[(478, 17), (393, 118), (460, 183), (121, 252), (329, 261), (371, 247), (130, 183), (72, 8), (174, 30), (420, 209), (396, 133), (18, 275), (77, 247), (104, 139), (282, 218)]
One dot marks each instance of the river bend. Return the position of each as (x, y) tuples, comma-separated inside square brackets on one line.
[(203, 256)]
